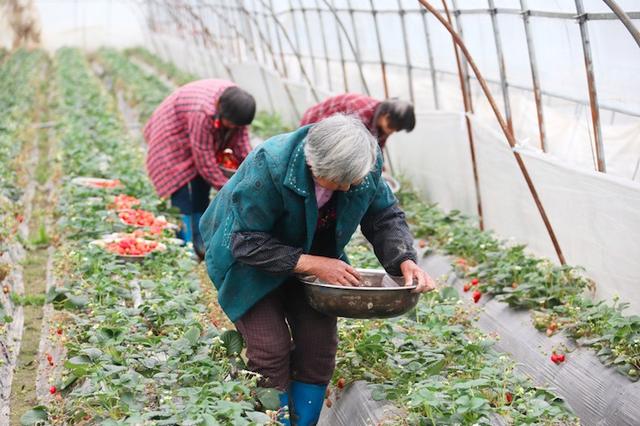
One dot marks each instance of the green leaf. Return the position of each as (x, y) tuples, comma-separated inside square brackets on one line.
[(36, 416), (192, 335), (258, 417), (269, 398), (449, 293), (209, 420), (232, 341)]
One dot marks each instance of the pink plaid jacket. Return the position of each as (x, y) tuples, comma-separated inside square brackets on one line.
[(182, 141), (361, 106)]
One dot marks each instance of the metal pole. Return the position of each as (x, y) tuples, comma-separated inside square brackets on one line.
[(534, 75), (341, 49), (284, 64), (309, 42), (432, 67), (407, 54), (505, 129), (297, 53), (354, 50), (465, 67), (295, 31), (593, 93), (625, 19), (466, 100), (383, 67), (324, 46), (501, 65)]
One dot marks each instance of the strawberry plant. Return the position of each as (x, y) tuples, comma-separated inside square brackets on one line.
[(508, 272), (138, 343)]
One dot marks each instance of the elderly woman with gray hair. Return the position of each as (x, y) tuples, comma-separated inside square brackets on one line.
[(291, 208)]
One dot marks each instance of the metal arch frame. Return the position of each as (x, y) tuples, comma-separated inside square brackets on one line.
[(468, 109), (503, 125), (591, 84), (295, 51), (354, 50)]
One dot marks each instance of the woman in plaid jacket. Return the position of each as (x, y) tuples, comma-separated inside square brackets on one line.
[(187, 135)]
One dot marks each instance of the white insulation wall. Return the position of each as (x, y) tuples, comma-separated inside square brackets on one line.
[(595, 216)]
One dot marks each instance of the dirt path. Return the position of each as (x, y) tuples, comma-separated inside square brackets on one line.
[(39, 236)]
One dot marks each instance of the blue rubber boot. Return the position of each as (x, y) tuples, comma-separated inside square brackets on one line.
[(186, 230), (283, 411), (305, 403)]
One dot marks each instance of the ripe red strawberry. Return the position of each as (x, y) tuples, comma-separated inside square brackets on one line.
[(476, 296), (466, 287), (509, 397), (59, 331), (557, 358), (475, 281), (52, 390), (341, 383)]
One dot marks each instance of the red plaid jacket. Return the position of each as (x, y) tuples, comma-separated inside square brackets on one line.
[(361, 106), (182, 141)]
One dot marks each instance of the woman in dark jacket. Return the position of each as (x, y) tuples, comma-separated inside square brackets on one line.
[(291, 209)]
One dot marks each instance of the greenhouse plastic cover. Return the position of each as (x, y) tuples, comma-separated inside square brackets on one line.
[(595, 216)]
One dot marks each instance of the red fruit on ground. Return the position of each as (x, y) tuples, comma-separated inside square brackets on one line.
[(52, 390), (475, 281), (509, 397), (341, 383), (328, 403), (557, 358), (476, 296), (466, 287), (59, 331)]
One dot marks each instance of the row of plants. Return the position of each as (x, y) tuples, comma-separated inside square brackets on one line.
[(369, 351), (20, 77), (169, 69), (149, 90), (440, 369), (138, 345), (558, 296)]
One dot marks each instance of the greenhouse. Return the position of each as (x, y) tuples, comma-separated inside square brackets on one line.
[(332, 212)]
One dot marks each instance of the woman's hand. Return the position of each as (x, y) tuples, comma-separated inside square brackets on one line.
[(329, 270), (411, 272)]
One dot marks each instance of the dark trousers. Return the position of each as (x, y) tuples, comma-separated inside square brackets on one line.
[(193, 197), (289, 340)]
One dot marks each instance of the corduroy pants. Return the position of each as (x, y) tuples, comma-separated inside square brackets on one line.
[(289, 340)]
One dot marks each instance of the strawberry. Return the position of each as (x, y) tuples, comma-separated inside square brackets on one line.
[(466, 287), (509, 397), (475, 281), (328, 403), (557, 358), (52, 390), (20, 218), (5, 289), (476, 296), (59, 331), (341, 383)]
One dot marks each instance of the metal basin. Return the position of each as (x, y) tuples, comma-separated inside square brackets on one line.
[(379, 296)]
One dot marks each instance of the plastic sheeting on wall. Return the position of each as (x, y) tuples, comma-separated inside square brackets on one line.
[(595, 216)]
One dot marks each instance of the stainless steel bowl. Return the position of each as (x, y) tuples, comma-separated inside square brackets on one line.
[(228, 172), (379, 296)]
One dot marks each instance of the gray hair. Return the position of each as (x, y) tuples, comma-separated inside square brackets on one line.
[(340, 149)]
